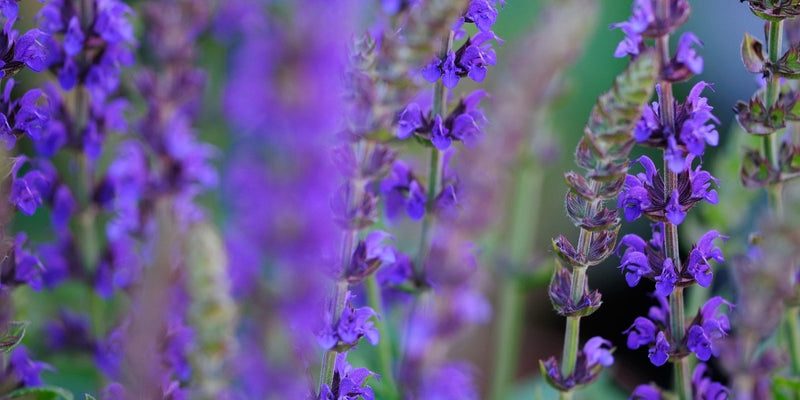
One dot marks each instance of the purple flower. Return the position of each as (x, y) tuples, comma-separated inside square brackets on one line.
[(353, 324), (401, 190), (659, 354), (29, 49), (704, 388), (27, 191), (641, 333), (27, 370), (9, 8), (635, 264), (634, 199), (643, 193), (74, 38), (453, 380), (674, 211), (351, 382), (597, 352), (645, 392), (113, 21), (439, 135), (369, 255), (686, 61), (432, 71), (482, 13), (707, 328), (409, 121), (693, 130), (641, 18), (698, 258), (450, 75), (665, 283)]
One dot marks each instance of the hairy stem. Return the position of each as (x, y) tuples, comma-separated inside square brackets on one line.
[(339, 296), (771, 142), (435, 171), (682, 384), (682, 377)]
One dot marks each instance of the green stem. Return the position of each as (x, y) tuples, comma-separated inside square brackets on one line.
[(570, 353), (385, 342), (329, 358), (771, 142), (682, 383), (435, 172), (682, 378), (521, 234), (571, 333)]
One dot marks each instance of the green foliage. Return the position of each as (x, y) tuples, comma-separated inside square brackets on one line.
[(39, 393), (13, 335)]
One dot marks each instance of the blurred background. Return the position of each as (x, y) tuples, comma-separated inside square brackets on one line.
[(559, 67)]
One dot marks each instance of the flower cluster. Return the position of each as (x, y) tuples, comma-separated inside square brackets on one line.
[(603, 153), (464, 123), (682, 131), (471, 60), (644, 193), (647, 259), (690, 134), (595, 355), (702, 388), (347, 329), (701, 337), (348, 382), (92, 49)]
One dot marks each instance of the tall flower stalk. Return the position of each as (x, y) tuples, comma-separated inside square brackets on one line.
[(682, 131), (442, 258), (25, 185), (603, 153)]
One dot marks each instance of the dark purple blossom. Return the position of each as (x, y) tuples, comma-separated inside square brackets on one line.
[(453, 380), (25, 369), (591, 360), (645, 392), (641, 333), (693, 128), (698, 265), (369, 255), (74, 38), (708, 327), (703, 388), (645, 23), (471, 60), (643, 193), (464, 123), (659, 354), (27, 115), (647, 259), (348, 382), (665, 283), (401, 190), (345, 332)]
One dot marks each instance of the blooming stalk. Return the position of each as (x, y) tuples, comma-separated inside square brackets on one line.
[(603, 153), (682, 131)]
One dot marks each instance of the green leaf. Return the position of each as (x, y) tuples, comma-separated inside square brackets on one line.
[(89, 397), (13, 335), (39, 393)]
